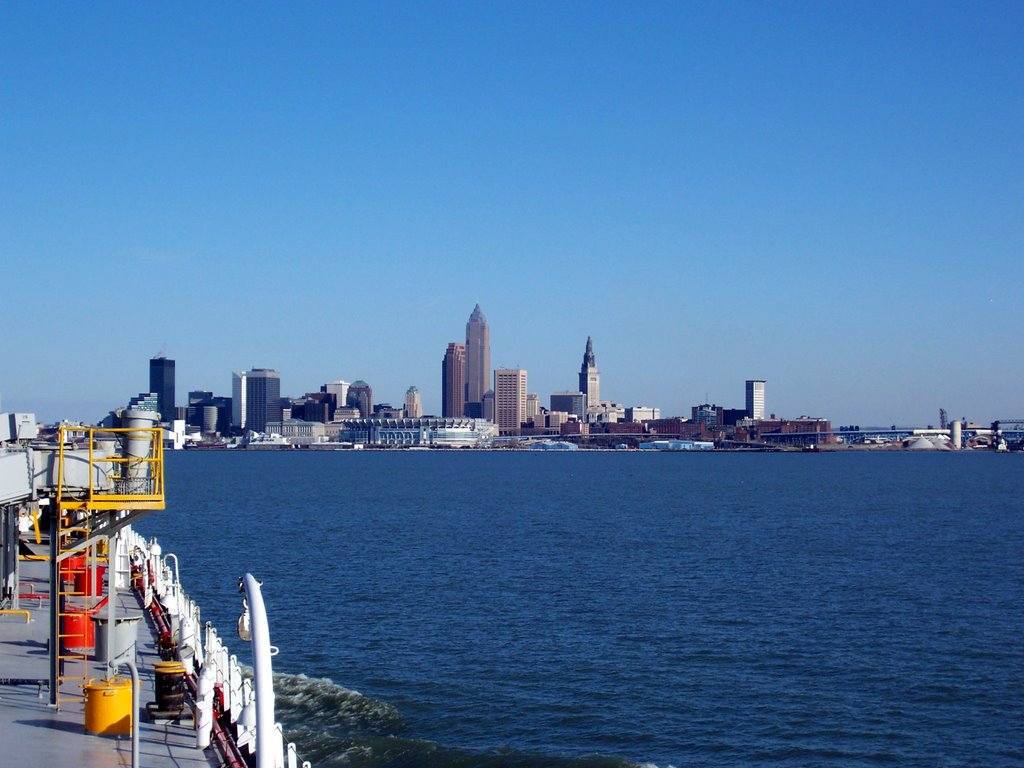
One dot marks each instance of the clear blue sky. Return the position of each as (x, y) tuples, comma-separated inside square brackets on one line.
[(826, 195)]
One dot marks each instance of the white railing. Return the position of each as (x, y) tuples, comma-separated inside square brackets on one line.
[(207, 658)]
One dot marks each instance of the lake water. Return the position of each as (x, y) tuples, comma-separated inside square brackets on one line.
[(612, 608)]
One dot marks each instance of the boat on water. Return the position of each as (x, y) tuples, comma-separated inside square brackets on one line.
[(104, 659)]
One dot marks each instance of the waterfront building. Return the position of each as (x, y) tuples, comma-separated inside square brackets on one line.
[(590, 378), (755, 399), (570, 402), (413, 404), (428, 431), (360, 395), (453, 381), (640, 413), (161, 381), (509, 399), (298, 431), (478, 362), (262, 398)]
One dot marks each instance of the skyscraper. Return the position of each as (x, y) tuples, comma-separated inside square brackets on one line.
[(413, 406), (453, 381), (478, 362), (360, 395), (755, 399), (238, 400), (262, 398), (570, 402), (161, 381), (509, 399), (590, 378)]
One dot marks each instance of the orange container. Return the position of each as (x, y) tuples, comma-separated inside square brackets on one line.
[(82, 581), (77, 630)]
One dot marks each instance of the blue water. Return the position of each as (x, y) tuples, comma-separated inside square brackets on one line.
[(594, 609)]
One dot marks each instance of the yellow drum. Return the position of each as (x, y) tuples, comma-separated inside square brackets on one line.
[(108, 706)]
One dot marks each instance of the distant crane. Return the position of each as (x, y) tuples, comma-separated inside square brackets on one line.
[(943, 421)]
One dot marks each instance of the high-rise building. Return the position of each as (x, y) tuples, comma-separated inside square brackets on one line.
[(532, 406), (262, 398), (337, 388), (590, 378), (453, 381), (755, 399), (478, 362), (413, 404), (360, 395), (570, 402), (161, 381), (238, 400), (509, 399)]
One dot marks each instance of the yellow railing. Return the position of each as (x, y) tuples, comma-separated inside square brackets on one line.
[(130, 481)]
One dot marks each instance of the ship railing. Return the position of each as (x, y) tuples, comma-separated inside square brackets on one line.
[(204, 652)]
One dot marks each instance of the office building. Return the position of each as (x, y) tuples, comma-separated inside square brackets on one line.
[(453, 381), (238, 400), (590, 378), (570, 402), (532, 406), (360, 395), (509, 399), (413, 404), (262, 398), (337, 388), (755, 399), (161, 381), (478, 362), (639, 413)]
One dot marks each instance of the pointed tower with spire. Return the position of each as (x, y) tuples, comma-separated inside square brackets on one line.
[(590, 378), (478, 362)]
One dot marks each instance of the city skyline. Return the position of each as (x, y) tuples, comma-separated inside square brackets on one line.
[(827, 197)]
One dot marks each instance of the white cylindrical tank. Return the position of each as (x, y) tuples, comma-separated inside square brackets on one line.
[(956, 436)]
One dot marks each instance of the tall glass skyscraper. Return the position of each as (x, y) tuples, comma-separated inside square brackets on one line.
[(453, 381), (478, 362), (161, 381), (263, 398)]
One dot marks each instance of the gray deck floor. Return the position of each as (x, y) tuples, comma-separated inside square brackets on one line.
[(34, 735)]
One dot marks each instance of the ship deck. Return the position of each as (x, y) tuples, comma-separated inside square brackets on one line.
[(32, 733)]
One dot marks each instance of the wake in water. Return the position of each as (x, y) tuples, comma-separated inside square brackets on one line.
[(334, 726)]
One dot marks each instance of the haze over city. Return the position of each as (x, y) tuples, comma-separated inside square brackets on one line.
[(827, 197)]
